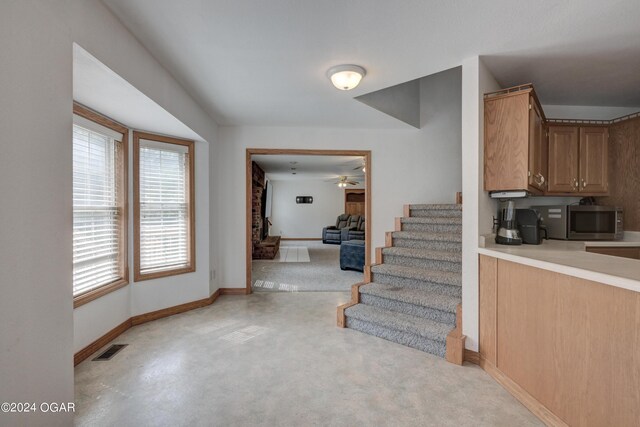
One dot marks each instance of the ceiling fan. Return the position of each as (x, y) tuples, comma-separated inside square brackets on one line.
[(360, 168), (343, 181)]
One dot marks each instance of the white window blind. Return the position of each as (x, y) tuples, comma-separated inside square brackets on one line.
[(164, 206), (96, 211)]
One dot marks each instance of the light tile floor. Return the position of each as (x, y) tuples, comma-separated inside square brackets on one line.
[(277, 359)]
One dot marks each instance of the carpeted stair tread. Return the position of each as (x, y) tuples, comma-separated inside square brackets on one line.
[(436, 206), (427, 275), (436, 348), (426, 236), (444, 220), (435, 211), (412, 296), (425, 254), (400, 322)]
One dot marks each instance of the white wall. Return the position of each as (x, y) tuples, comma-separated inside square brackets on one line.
[(94, 319), (408, 166), (36, 329), (293, 220), (478, 209), (36, 308)]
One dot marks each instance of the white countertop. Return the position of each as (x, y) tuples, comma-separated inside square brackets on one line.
[(570, 257)]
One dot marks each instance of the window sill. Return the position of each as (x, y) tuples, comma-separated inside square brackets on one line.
[(98, 292), (148, 276)]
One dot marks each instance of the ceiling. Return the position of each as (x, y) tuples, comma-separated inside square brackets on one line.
[(99, 88), (256, 62), (279, 167)]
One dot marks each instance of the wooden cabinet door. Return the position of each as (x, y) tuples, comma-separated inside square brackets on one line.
[(594, 159), (354, 203), (506, 142), (537, 148), (563, 159)]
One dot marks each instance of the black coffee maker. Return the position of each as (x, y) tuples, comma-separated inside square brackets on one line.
[(508, 233), (530, 225)]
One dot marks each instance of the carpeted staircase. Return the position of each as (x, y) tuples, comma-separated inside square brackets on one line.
[(412, 294)]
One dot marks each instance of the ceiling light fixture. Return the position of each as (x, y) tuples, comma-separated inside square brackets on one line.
[(346, 77)]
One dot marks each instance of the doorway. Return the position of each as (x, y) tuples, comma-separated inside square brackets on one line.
[(364, 199)]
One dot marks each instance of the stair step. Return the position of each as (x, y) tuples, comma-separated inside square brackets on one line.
[(424, 254), (423, 258), (423, 274), (444, 220), (437, 206), (426, 236), (450, 242), (435, 210), (429, 305), (432, 224), (423, 334), (443, 282)]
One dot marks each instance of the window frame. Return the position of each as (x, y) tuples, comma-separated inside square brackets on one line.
[(123, 203), (191, 244)]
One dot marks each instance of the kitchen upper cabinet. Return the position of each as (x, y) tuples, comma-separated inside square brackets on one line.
[(515, 149), (594, 143), (578, 158), (563, 159), (538, 148)]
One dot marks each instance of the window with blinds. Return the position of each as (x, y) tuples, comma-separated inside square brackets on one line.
[(98, 211), (164, 232)]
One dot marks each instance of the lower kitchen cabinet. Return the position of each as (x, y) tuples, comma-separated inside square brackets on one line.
[(568, 348)]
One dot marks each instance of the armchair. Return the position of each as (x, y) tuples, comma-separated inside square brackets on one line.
[(358, 232), (333, 233), (352, 224)]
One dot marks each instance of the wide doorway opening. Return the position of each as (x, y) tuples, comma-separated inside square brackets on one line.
[(308, 219)]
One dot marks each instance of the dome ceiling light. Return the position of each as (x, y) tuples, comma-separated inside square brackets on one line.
[(346, 77)]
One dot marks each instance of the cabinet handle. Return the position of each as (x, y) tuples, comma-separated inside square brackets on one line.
[(584, 183), (575, 184)]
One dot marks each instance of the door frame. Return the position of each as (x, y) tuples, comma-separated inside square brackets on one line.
[(304, 152)]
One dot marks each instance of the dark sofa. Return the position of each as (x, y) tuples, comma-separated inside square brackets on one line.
[(356, 233), (333, 233)]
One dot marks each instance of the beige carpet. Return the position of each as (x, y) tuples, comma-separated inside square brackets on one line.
[(321, 273)]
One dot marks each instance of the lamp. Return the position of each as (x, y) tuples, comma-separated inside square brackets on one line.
[(346, 77)]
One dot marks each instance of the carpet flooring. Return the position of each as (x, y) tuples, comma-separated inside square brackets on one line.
[(321, 273)]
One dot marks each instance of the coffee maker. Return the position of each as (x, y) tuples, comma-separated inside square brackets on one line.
[(508, 233), (531, 227)]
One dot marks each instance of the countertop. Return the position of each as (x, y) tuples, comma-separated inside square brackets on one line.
[(570, 257)]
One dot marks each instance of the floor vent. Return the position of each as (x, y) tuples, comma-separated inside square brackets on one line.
[(110, 352)]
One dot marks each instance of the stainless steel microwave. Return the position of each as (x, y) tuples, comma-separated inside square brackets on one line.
[(582, 222)]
